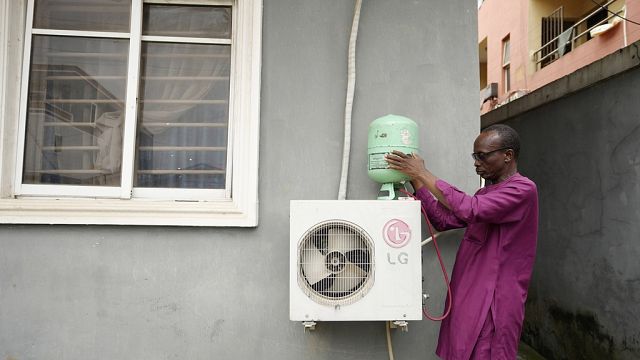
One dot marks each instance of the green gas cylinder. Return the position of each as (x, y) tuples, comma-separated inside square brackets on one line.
[(388, 133)]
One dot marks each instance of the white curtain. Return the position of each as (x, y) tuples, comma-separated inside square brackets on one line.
[(187, 72)]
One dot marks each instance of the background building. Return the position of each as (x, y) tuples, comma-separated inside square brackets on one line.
[(525, 44)]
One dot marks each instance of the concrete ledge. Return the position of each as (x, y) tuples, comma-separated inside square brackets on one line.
[(614, 64)]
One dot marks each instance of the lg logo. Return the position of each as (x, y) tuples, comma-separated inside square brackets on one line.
[(402, 258), (396, 233)]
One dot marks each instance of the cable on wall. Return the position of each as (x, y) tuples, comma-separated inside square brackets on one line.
[(613, 13)]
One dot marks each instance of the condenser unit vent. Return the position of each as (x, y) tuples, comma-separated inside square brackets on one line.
[(335, 264)]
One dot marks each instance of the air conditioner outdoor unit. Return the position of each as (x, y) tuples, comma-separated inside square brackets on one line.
[(353, 260)]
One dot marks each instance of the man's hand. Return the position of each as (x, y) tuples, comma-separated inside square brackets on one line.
[(410, 164), (413, 166)]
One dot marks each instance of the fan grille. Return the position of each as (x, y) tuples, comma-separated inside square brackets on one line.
[(335, 263)]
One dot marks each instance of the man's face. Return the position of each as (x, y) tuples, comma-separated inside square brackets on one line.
[(490, 164)]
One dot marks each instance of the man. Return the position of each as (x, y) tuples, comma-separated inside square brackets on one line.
[(495, 259)]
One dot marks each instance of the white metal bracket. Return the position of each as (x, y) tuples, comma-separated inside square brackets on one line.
[(425, 297), (403, 325), (309, 325)]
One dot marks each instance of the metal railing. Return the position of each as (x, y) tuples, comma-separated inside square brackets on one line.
[(555, 54), (552, 26)]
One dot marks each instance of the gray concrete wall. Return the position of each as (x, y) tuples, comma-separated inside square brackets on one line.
[(117, 292), (583, 151)]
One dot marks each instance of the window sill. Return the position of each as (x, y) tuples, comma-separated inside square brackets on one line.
[(126, 212)]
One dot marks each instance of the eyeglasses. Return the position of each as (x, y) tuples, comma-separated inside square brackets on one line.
[(482, 156)]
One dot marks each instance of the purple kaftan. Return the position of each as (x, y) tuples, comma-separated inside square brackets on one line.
[(493, 264)]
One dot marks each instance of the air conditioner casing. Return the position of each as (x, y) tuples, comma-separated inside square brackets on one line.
[(394, 278)]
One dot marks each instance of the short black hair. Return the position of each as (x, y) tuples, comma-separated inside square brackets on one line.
[(508, 136)]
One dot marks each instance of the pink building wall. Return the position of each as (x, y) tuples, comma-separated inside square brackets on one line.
[(500, 18)]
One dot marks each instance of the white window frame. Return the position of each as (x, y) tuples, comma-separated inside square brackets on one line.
[(506, 64), (115, 205)]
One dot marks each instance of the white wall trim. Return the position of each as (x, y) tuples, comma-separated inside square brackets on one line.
[(115, 212)]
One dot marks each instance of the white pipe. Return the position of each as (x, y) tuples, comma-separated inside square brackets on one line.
[(351, 73), (389, 346), (427, 240)]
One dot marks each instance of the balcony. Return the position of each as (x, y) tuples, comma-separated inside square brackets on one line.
[(562, 31)]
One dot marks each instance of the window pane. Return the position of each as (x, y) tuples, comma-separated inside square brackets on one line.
[(86, 15), (188, 21), (183, 115), (75, 111), (507, 78), (506, 56)]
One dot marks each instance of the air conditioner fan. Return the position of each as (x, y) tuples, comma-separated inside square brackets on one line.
[(335, 263)]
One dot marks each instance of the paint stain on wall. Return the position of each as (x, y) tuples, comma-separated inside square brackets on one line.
[(581, 334), (558, 333), (216, 329)]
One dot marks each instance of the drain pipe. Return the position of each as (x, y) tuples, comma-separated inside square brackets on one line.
[(351, 81)]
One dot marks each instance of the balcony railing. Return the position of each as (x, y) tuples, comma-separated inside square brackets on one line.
[(554, 48)]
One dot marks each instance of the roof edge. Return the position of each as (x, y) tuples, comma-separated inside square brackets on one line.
[(611, 65)]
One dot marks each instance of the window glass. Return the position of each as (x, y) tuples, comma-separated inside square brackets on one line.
[(75, 111), (183, 116), (506, 56), (506, 64), (187, 21), (84, 15), (77, 92), (507, 78)]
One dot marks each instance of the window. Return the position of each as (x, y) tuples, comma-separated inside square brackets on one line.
[(506, 65), (153, 102)]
